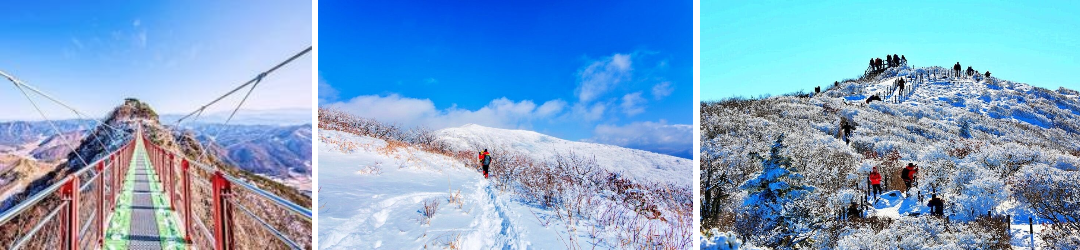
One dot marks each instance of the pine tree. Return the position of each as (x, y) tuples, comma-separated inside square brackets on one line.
[(771, 211)]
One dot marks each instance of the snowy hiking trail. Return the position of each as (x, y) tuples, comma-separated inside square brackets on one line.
[(893, 204), (385, 211)]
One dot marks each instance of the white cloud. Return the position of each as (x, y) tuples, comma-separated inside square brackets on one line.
[(589, 113), (633, 104), (661, 90), (389, 109), (659, 137), (327, 93), (411, 112), (602, 75), (551, 108)]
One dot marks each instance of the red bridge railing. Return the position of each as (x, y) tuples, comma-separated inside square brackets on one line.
[(220, 211)]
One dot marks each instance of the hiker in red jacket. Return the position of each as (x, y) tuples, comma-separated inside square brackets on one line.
[(485, 161), (875, 180), (908, 174)]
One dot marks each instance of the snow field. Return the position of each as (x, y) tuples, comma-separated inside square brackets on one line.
[(369, 207)]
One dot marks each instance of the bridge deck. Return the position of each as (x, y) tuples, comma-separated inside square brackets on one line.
[(143, 219)]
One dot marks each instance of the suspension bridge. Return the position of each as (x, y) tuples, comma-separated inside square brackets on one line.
[(144, 194)]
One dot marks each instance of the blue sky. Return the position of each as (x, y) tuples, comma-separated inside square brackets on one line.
[(776, 47), (176, 56), (615, 72)]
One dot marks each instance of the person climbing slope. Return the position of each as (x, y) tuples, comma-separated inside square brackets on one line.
[(937, 206), (875, 181), (485, 161)]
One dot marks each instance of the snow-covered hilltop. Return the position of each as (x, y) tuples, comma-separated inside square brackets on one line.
[(632, 162), (983, 144), (385, 187)]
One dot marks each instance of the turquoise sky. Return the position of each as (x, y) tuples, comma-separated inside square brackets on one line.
[(776, 47), (175, 55)]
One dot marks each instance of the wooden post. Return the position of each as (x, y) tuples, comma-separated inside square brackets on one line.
[(1031, 229)]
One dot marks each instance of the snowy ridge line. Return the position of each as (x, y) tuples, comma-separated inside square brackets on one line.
[(984, 145)]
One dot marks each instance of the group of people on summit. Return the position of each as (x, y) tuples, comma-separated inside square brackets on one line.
[(893, 60), (969, 72)]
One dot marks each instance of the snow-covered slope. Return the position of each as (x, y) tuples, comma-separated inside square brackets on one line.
[(640, 164), (983, 145), (373, 193), (373, 197)]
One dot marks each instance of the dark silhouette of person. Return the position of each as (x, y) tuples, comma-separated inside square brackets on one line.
[(889, 60), (987, 74), (872, 65), (846, 126), (896, 60), (901, 84), (903, 60), (880, 64), (873, 98), (853, 211), (817, 89), (836, 84), (956, 69), (970, 71), (937, 206)]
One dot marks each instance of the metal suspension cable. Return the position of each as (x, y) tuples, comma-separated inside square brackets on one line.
[(249, 82), (217, 133), (254, 82), (80, 115), (53, 125)]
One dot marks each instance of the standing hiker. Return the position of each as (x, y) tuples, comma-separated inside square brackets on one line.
[(485, 161), (956, 70), (987, 74), (970, 71), (908, 174), (875, 181), (937, 206)]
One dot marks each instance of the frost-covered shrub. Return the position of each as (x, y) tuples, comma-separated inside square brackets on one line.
[(924, 232), (1052, 193), (981, 195), (716, 240)]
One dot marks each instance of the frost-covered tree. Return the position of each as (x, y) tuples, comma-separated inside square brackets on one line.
[(771, 212)]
